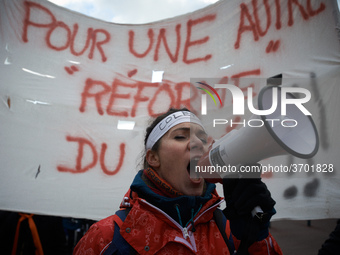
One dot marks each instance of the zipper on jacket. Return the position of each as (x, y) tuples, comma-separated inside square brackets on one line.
[(185, 233)]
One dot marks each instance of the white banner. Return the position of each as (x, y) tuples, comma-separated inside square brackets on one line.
[(68, 82)]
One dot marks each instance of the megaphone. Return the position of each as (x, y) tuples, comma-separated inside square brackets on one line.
[(274, 134)]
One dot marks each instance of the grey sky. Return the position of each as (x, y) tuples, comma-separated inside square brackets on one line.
[(133, 11)]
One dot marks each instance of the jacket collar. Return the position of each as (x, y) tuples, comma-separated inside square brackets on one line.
[(180, 208)]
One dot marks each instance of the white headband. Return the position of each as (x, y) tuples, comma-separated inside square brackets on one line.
[(168, 122)]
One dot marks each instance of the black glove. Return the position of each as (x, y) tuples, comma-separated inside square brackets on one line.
[(242, 195)]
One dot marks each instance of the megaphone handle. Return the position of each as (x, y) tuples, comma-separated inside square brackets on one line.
[(257, 212)]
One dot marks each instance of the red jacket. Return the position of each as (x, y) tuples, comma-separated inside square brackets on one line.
[(149, 230)]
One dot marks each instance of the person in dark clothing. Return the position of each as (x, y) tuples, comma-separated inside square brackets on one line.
[(332, 245)]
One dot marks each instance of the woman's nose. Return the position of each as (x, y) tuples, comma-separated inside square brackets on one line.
[(195, 143)]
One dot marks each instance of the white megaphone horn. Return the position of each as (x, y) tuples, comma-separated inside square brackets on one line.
[(293, 133)]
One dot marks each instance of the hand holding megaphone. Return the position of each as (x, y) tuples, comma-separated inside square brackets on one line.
[(242, 195)]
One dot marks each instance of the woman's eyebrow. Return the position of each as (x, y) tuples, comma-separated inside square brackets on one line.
[(188, 129), (182, 129)]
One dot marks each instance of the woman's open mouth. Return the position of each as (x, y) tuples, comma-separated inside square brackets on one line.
[(192, 171)]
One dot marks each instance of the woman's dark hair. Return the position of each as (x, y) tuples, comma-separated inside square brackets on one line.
[(152, 126)]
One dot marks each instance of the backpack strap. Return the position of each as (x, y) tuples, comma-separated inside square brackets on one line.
[(221, 222), (118, 245)]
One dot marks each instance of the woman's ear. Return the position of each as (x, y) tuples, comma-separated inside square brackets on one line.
[(152, 158)]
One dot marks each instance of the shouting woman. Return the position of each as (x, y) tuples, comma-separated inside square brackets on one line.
[(166, 211)]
